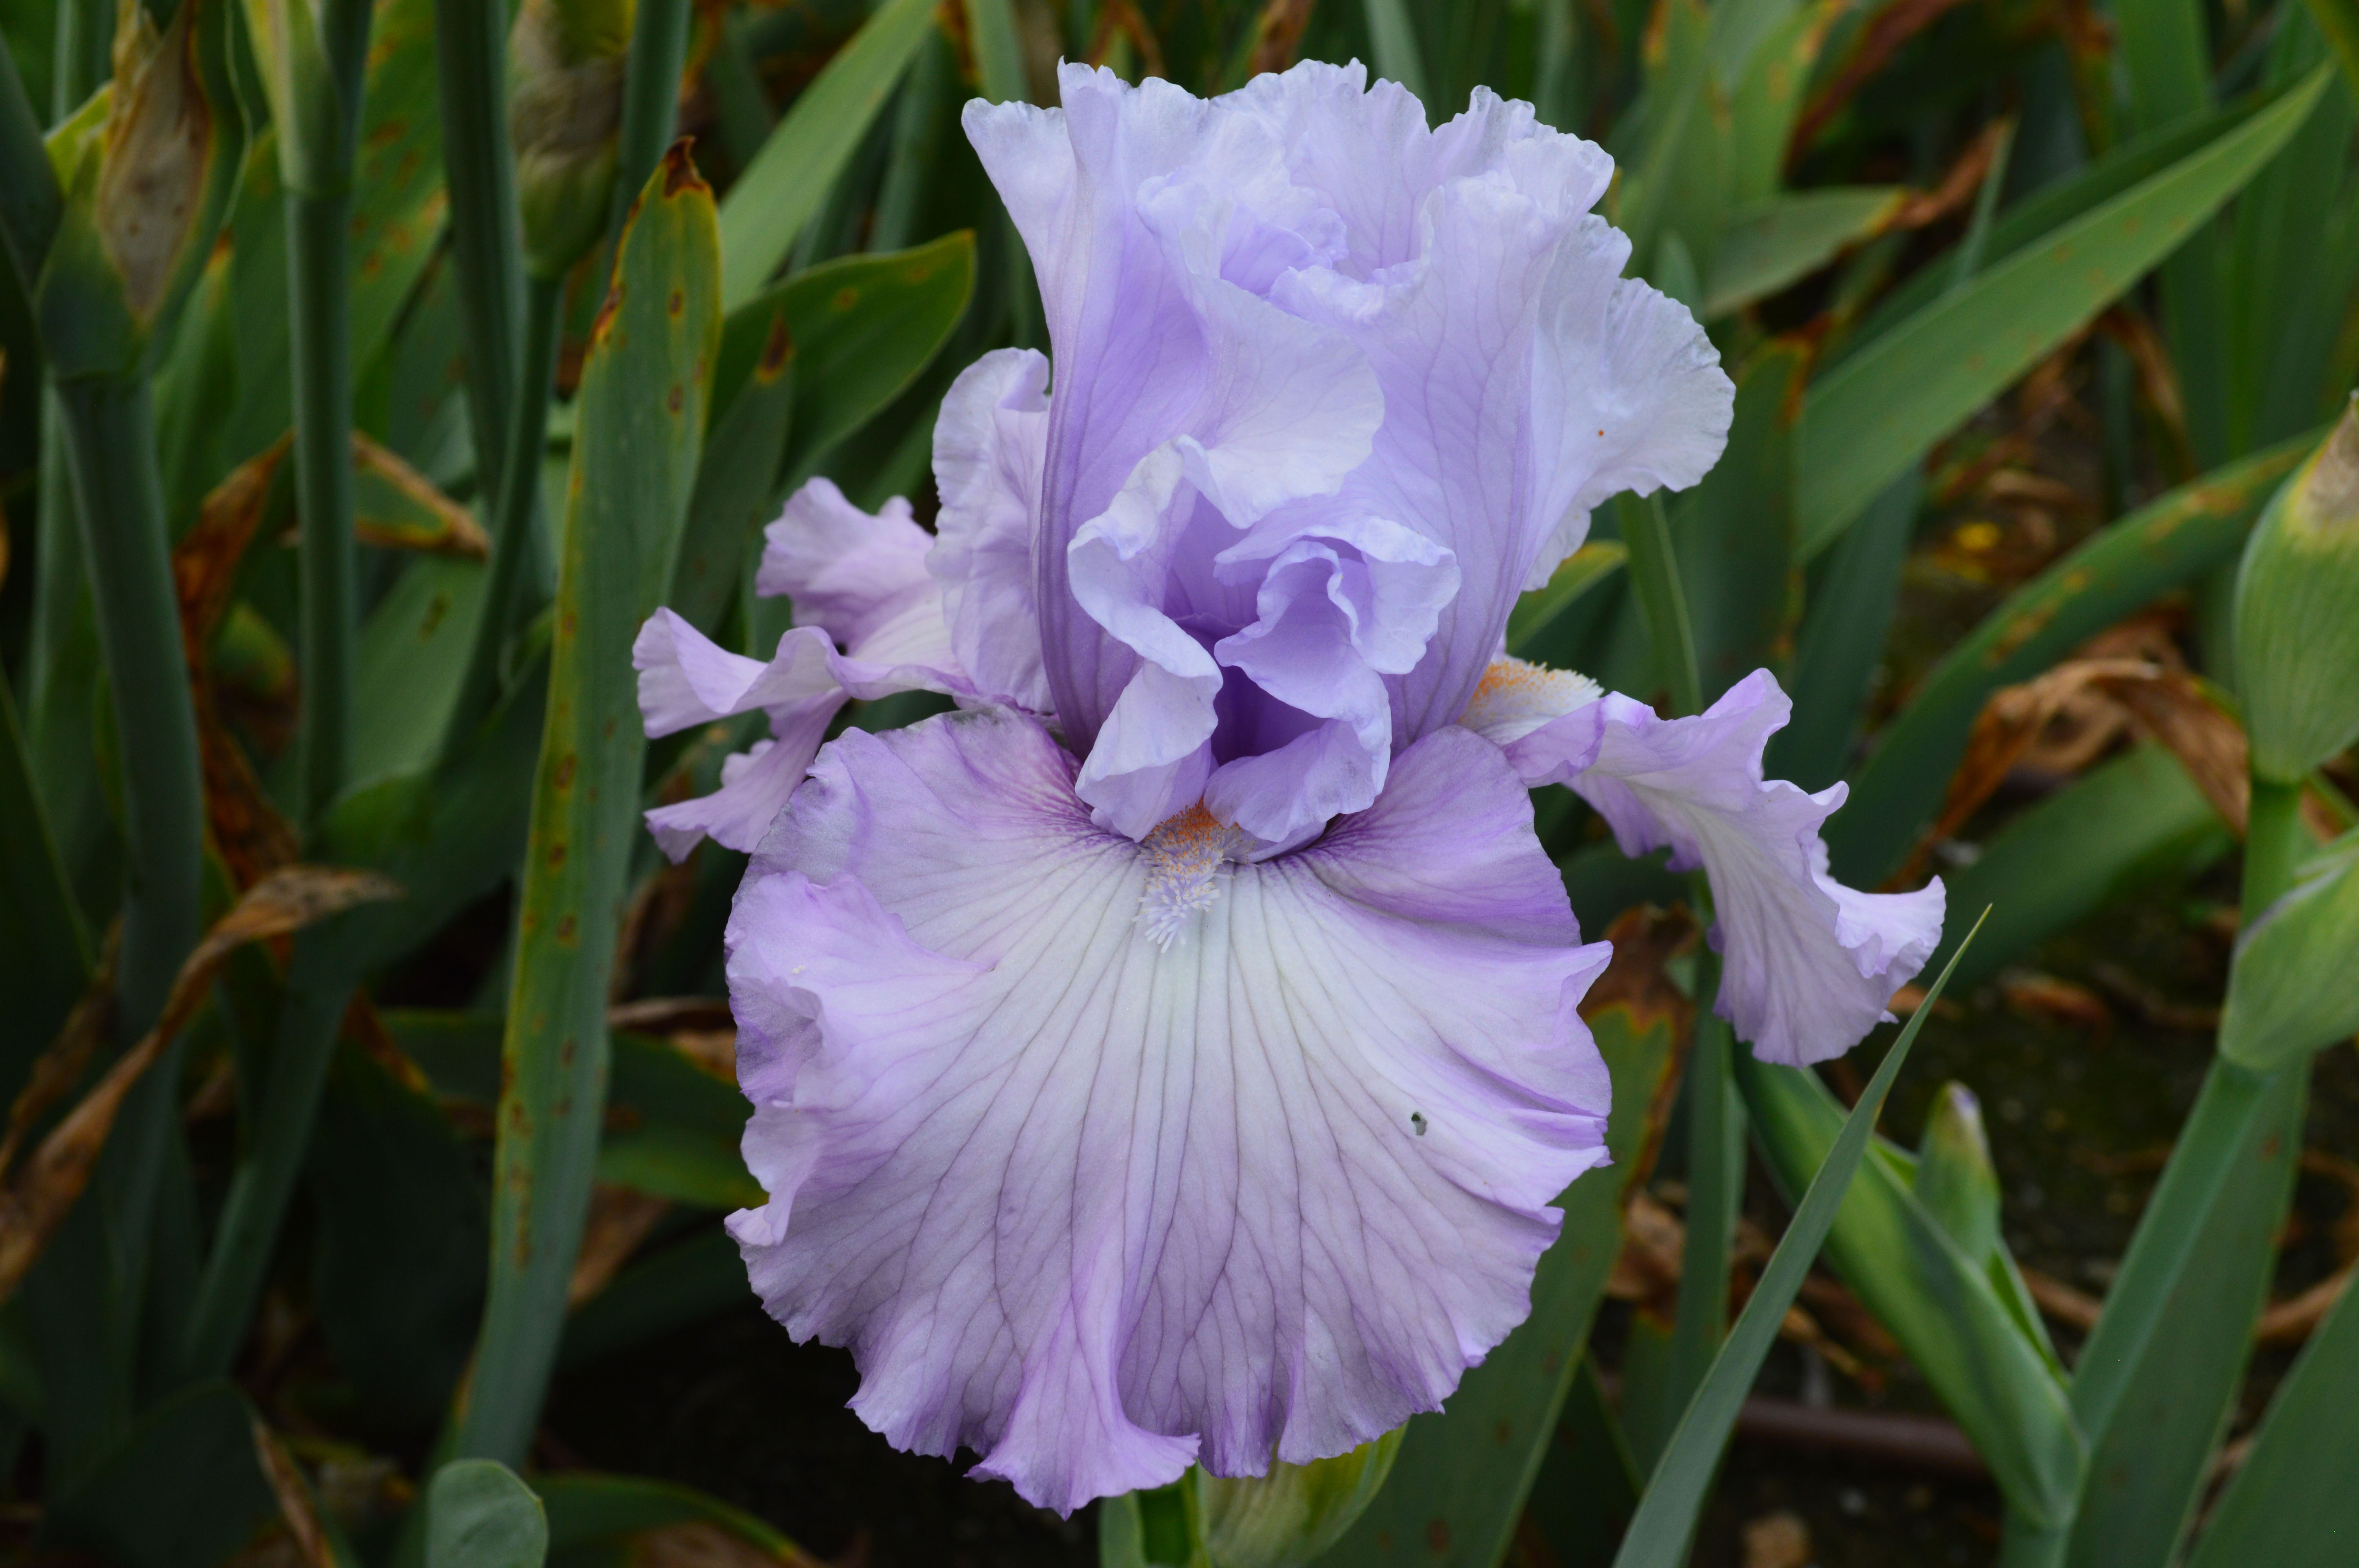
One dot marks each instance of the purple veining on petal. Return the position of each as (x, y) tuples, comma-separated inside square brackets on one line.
[(1267, 1187)]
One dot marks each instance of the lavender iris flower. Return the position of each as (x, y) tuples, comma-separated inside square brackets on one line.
[(1172, 1055)]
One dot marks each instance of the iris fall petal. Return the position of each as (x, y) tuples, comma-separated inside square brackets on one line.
[(1097, 1205)]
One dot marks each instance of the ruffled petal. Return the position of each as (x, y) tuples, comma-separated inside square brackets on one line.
[(1511, 319), (853, 577), (1338, 608), (1096, 1205), (848, 571), (1807, 965), (988, 447), (1151, 228), (1627, 394), (687, 679), (754, 784), (1152, 754)]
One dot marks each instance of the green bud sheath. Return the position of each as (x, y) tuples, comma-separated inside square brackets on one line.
[(1955, 1180), (566, 66), (148, 167), (2293, 988), (1278, 1520), (2297, 614), (1294, 1512)]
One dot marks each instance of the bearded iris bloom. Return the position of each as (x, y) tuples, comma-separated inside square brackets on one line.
[(1170, 1056)]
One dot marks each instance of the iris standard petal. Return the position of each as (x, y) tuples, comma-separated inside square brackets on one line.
[(1807, 965), (1097, 1199), (1153, 218), (988, 447)]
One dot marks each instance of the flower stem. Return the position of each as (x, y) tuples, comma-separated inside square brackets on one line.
[(319, 229), (650, 102), (109, 423), (1715, 1193), (514, 540), (487, 241), (2212, 1145), (277, 1138), (317, 244)]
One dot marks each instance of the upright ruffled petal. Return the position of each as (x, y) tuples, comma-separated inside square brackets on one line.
[(988, 447), (1149, 213), (1097, 1205), (1627, 394), (1807, 965), (1512, 319)]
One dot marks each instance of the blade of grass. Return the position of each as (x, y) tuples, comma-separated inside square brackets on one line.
[(1654, 575), (1878, 411), (998, 51), (1581, 571), (2291, 1504), (31, 203), (486, 240), (2339, 20), (515, 539), (789, 179), (1854, 597), (1392, 38), (1674, 1496), (650, 100), (40, 929), (642, 413)]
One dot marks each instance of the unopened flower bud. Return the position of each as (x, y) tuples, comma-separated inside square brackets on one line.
[(565, 115), (1294, 1512), (2293, 989), (147, 168), (2297, 614), (1955, 1178), (1278, 1521)]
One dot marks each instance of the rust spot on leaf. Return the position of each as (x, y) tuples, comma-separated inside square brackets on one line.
[(679, 168), (846, 299), (565, 929), (675, 304), (556, 855), (565, 765), (777, 349), (673, 398), (1437, 1536), (607, 308)]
